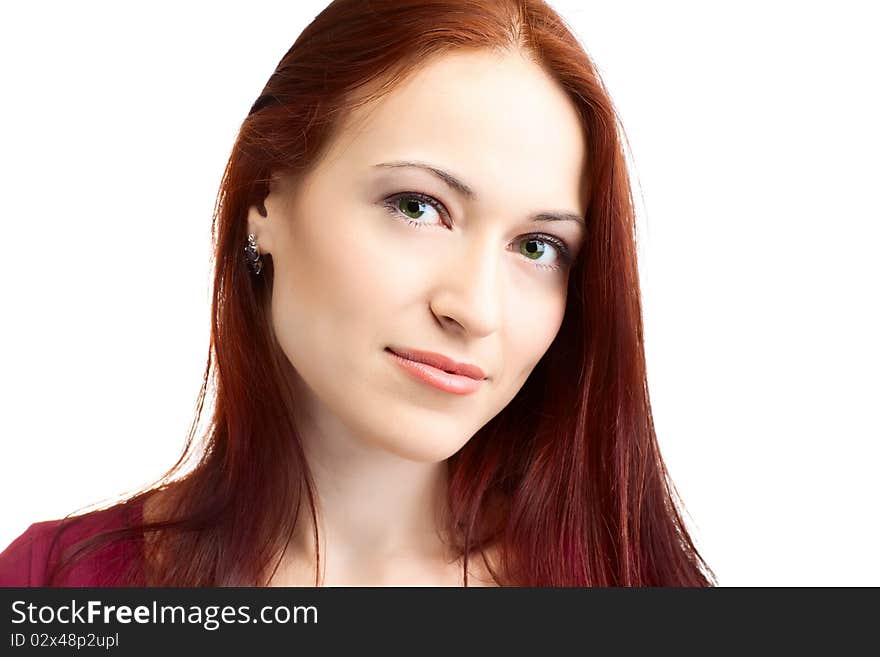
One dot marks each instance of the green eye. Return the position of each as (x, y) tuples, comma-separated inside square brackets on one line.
[(532, 249), (411, 207)]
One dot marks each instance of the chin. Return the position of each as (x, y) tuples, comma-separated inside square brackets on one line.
[(420, 447)]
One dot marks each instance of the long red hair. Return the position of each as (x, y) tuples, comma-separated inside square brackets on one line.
[(568, 479)]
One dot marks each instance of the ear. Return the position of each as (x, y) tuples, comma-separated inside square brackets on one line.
[(263, 218), (258, 225)]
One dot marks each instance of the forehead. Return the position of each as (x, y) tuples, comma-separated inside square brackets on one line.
[(498, 121)]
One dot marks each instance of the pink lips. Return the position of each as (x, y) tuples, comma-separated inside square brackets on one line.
[(439, 371)]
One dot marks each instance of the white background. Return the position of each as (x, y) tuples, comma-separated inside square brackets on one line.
[(754, 138)]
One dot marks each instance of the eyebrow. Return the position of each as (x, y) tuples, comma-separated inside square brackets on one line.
[(466, 191)]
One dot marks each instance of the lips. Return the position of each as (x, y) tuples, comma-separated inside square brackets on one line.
[(440, 372), (441, 362)]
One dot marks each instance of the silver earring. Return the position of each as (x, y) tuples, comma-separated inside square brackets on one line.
[(252, 253)]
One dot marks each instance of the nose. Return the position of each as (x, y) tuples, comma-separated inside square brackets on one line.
[(469, 294)]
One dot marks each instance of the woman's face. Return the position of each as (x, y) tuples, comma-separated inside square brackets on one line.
[(426, 227)]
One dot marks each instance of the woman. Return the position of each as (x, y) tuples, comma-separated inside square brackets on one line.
[(426, 361)]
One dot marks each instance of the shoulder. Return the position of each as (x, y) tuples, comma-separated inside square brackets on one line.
[(30, 558), (23, 562), (484, 566)]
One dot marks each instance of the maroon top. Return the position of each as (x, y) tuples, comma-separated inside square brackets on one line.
[(28, 559)]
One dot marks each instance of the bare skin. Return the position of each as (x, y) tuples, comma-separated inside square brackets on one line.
[(359, 268), (408, 570)]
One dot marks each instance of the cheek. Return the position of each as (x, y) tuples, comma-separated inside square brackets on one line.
[(364, 278), (338, 275), (532, 326)]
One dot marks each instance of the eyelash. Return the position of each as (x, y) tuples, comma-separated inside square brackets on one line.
[(391, 205)]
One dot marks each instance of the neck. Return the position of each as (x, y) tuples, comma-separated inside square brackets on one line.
[(377, 512)]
